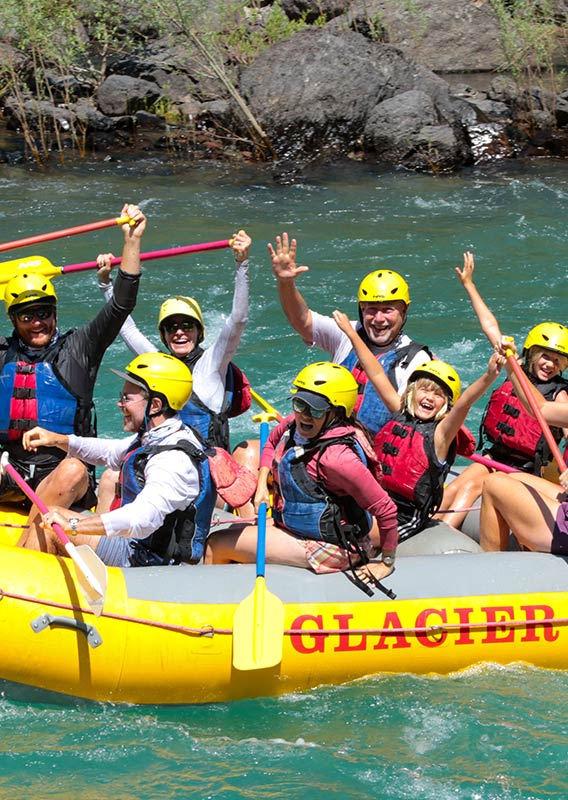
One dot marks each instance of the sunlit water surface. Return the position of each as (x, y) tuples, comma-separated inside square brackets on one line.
[(488, 734)]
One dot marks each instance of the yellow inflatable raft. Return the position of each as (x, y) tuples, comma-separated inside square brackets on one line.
[(166, 633)]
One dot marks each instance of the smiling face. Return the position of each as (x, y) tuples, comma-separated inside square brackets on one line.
[(426, 399), (546, 364), (132, 402), (181, 334), (383, 321), (35, 324)]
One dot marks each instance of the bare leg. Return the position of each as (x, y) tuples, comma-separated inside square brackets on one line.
[(514, 503), (107, 490), (462, 493), (238, 543), (65, 486), (247, 453)]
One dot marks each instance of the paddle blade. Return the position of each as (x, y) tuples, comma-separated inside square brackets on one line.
[(258, 628), (35, 264), (91, 574)]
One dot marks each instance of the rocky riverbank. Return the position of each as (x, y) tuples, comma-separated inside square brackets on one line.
[(371, 80)]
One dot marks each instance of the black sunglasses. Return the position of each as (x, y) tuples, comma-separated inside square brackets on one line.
[(185, 325), (40, 313)]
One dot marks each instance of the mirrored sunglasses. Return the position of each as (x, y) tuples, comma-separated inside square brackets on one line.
[(39, 313), (304, 408), (184, 325)]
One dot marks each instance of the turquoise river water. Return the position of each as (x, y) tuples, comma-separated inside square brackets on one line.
[(490, 733)]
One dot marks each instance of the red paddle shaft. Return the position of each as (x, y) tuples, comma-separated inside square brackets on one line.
[(47, 237)]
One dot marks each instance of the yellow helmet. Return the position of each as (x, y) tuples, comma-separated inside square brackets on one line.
[(186, 306), (550, 335), (161, 373), (28, 287), (443, 374), (383, 285), (331, 381)]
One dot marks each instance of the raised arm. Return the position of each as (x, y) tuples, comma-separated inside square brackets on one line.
[(286, 271), (448, 428), (372, 367), (130, 333), (487, 320)]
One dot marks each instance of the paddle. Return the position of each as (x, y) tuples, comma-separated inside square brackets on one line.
[(9, 269), (91, 571), (258, 624), (527, 391), (47, 237), (270, 412), (491, 463)]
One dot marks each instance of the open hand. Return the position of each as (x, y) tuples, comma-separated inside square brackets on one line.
[(284, 259)]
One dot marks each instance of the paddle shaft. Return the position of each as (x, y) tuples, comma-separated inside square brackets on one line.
[(491, 463), (527, 390), (173, 251), (47, 237), (266, 407), (66, 542), (262, 513)]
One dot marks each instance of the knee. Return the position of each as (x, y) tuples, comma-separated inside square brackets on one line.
[(247, 453), (493, 485), (70, 473)]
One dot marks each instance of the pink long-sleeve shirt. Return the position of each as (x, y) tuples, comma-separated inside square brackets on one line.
[(344, 474)]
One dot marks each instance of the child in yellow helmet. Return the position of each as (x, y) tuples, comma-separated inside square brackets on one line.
[(511, 436), (417, 447)]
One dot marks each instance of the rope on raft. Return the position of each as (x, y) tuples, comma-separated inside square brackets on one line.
[(210, 630)]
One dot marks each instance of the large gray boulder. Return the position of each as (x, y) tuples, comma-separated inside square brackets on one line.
[(120, 95), (320, 93)]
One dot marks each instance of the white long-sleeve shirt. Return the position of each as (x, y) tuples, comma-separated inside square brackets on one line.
[(210, 371), (171, 478)]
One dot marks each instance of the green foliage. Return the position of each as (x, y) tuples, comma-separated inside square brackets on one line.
[(530, 35), (250, 30)]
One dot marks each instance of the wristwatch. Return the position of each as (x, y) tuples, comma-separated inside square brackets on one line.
[(388, 561), (73, 522)]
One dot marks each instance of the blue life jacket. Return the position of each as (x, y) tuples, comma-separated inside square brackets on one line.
[(30, 395), (308, 509), (370, 409), (183, 533), (213, 427)]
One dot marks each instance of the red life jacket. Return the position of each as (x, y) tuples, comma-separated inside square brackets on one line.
[(405, 448), (505, 422)]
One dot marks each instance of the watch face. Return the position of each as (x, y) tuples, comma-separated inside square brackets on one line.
[(388, 560)]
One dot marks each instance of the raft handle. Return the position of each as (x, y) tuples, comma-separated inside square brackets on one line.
[(48, 620)]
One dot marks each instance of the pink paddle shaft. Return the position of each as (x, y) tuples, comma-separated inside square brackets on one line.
[(174, 251), (29, 492), (489, 462), (47, 237)]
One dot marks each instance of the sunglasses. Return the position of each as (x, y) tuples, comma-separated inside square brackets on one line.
[(185, 325), (304, 408), (28, 316)]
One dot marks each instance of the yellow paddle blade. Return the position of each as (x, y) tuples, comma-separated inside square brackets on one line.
[(258, 629), (38, 264)]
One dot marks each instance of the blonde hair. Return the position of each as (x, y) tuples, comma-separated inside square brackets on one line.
[(535, 353), (409, 396)]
